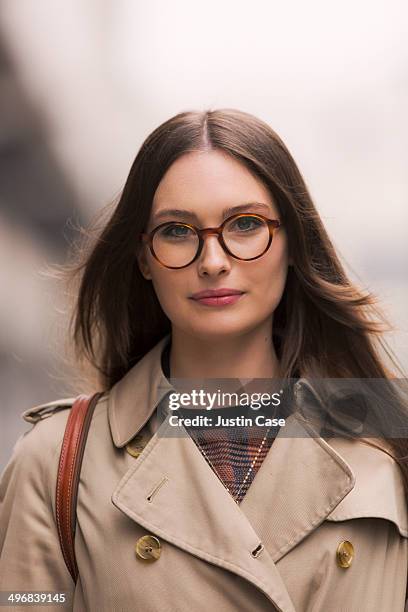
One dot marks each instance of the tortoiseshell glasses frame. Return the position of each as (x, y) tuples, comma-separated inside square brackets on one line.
[(272, 224)]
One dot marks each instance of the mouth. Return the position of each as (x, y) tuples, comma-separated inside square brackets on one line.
[(217, 297)]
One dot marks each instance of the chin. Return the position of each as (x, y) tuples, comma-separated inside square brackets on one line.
[(222, 329)]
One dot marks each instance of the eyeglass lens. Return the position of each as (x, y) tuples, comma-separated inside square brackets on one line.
[(176, 244)]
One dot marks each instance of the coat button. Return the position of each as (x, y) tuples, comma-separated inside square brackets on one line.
[(148, 547), (136, 446), (345, 554)]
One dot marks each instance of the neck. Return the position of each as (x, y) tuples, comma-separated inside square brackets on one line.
[(246, 356)]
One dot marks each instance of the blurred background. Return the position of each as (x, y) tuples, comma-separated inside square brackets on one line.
[(83, 82)]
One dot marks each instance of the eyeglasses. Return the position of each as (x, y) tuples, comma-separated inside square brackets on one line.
[(244, 236)]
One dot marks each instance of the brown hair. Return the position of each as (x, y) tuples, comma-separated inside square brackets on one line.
[(323, 321)]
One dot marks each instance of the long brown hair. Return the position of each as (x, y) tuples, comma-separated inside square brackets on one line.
[(323, 321)]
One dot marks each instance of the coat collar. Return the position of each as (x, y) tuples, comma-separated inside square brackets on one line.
[(173, 493), (132, 400)]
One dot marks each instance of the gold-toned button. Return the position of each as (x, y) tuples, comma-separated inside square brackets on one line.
[(345, 554), (148, 547), (136, 445)]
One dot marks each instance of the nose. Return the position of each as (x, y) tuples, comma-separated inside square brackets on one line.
[(213, 260)]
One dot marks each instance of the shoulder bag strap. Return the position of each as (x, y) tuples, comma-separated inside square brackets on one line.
[(69, 469)]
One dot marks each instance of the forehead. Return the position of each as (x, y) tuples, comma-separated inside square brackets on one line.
[(208, 182)]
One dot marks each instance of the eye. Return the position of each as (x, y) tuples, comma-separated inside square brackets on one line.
[(176, 230), (245, 224)]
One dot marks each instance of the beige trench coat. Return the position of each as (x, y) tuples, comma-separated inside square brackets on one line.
[(308, 497)]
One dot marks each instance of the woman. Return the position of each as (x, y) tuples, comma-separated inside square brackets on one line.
[(287, 520)]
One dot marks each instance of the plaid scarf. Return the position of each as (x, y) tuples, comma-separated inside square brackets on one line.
[(230, 451)]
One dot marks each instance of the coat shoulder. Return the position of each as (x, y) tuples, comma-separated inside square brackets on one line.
[(43, 411), (40, 442), (49, 422)]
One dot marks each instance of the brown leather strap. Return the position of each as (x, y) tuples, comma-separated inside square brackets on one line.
[(72, 452)]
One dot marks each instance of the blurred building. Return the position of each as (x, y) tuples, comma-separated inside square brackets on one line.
[(37, 211)]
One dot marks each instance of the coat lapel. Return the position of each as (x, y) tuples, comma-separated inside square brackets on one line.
[(133, 400), (173, 492), (300, 482)]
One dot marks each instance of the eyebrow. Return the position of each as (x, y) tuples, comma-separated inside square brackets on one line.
[(227, 212)]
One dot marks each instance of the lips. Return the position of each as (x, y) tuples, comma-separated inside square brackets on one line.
[(214, 293)]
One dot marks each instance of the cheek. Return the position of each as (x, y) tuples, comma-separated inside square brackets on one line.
[(268, 282), (168, 286), (268, 276)]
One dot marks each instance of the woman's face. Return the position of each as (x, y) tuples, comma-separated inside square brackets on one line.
[(203, 184)]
